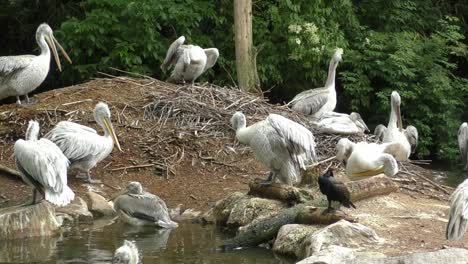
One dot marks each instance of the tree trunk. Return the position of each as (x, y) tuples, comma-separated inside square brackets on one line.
[(370, 187), (281, 192), (245, 55)]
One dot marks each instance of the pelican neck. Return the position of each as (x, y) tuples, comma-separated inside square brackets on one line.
[(330, 83), (45, 50)]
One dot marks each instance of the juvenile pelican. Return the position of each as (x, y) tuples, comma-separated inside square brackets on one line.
[(366, 159), (43, 166), (411, 134), (82, 145), (138, 208), (126, 254), (336, 123), (282, 145), (20, 75), (317, 101), (335, 190), (189, 61), (463, 143), (458, 215)]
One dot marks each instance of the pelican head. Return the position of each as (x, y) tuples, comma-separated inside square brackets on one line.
[(396, 101), (32, 132), (344, 147), (45, 31), (238, 120), (126, 254), (102, 116), (357, 119), (337, 56), (132, 187)]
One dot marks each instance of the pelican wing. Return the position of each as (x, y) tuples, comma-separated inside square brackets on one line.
[(411, 134), (9, 65), (72, 126), (463, 141), (458, 215), (310, 101), (212, 55), (43, 162), (299, 140), (171, 56)]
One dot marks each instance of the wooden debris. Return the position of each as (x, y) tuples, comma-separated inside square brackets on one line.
[(370, 187), (282, 192)]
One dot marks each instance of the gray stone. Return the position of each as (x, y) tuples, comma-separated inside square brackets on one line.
[(77, 209), (189, 214), (290, 237), (222, 209), (208, 217), (340, 255), (443, 256), (175, 212), (248, 209), (28, 221), (99, 206)]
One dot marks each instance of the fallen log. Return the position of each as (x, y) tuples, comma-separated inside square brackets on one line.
[(370, 187), (281, 192), (312, 215)]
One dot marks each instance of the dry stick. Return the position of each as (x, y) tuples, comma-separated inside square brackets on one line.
[(426, 179), (320, 162), (132, 167), (9, 171), (78, 102)]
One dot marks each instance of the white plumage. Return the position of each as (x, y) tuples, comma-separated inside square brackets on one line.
[(139, 208), (43, 166), (458, 215), (126, 254), (282, 145), (189, 61), (463, 143), (19, 75), (366, 159), (337, 123), (82, 145), (318, 101)]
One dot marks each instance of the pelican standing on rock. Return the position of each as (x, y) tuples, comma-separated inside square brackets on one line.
[(20, 75), (82, 145), (366, 159), (43, 166), (337, 123), (284, 146), (394, 132), (317, 101), (458, 215), (126, 254), (189, 61), (139, 208), (463, 143)]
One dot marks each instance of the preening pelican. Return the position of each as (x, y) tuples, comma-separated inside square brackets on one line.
[(43, 166), (282, 145), (189, 61), (463, 143), (317, 101), (458, 215), (82, 145), (126, 254), (366, 159), (20, 75), (395, 132), (411, 134), (138, 208), (334, 189), (337, 123)]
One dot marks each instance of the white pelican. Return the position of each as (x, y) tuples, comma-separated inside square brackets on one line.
[(189, 61), (43, 166), (458, 215), (395, 132), (282, 145), (366, 159), (139, 208), (126, 254), (20, 75), (82, 145), (463, 143), (337, 123), (317, 101), (411, 134)]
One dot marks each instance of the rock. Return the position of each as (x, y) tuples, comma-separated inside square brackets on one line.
[(443, 256), (208, 217), (290, 237), (341, 233), (63, 219), (175, 212), (189, 214), (340, 255), (77, 209), (222, 208), (248, 209), (99, 206), (28, 221)]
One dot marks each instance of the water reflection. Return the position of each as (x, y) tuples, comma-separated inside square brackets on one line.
[(27, 250)]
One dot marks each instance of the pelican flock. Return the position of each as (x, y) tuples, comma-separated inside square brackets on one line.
[(463, 143), (317, 101), (126, 254), (43, 166), (282, 145), (189, 61), (82, 145), (22, 74), (139, 208), (337, 123)]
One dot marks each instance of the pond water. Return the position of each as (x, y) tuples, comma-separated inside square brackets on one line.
[(189, 243)]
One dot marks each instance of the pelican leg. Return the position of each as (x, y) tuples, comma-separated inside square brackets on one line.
[(271, 178), (91, 180), (27, 101), (18, 101)]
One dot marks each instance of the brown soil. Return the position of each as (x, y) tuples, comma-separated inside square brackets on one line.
[(187, 164)]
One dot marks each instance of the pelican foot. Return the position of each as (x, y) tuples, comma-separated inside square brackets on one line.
[(26, 102), (88, 179)]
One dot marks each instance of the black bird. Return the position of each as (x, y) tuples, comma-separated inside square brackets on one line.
[(334, 189)]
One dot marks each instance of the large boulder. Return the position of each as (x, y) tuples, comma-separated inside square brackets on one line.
[(248, 209), (99, 206), (77, 209), (290, 237), (341, 255), (28, 221), (341, 233), (443, 256), (222, 208)]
